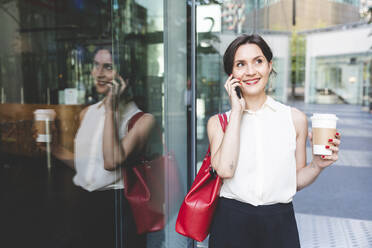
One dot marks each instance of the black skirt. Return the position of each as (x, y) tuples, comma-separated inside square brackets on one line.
[(242, 225), (105, 220)]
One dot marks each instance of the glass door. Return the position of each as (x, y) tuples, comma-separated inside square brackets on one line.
[(149, 40), (74, 76)]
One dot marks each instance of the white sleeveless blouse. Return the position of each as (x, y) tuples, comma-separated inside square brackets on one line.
[(266, 169), (89, 165)]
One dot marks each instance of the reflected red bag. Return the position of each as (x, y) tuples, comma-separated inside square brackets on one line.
[(198, 207), (144, 189)]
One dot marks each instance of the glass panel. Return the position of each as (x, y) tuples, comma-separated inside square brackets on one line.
[(47, 79), (217, 25), (340, 79), (312, 35), (150, 43), (66, 57), (219, 22)]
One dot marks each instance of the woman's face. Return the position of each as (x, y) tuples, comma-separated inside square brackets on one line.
[(102, 72), (252, 68)]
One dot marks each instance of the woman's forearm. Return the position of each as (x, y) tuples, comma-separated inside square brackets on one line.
[(226, 158), (113, 154), (307, 175)]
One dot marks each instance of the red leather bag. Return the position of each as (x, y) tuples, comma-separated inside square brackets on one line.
[(144, 189), (198, 207)]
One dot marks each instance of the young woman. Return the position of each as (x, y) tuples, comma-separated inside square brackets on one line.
[(103, 145), (261, 156)]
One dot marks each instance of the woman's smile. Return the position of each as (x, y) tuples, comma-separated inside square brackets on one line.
[(251, 81), (102, 83)]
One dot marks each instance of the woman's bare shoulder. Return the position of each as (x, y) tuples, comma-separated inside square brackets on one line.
[(214, 127), (299, 119), (82, 113), (212, 122), (146, 121)]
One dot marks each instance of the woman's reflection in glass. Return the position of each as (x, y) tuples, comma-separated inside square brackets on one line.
[(103, 144)]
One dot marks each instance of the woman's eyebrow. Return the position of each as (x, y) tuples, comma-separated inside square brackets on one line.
[(243, 60), (239, 60), (259, 56), (104, 64)]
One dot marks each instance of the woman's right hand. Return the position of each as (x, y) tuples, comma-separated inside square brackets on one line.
[(237, 104), (116, 89)]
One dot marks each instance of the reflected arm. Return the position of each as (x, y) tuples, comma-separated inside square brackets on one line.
[(64, 154), (116, 151)]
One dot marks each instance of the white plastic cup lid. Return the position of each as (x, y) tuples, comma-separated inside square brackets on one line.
[(318, 116), (43, 114), (324, 120)]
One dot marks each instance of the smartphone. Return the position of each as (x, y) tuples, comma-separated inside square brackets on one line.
[(238, 92)]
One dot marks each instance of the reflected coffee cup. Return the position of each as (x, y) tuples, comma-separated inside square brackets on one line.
[(43, 118), (323, 128)]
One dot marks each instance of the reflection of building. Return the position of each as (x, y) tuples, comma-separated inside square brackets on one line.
[(212, 43), (233, 15), (309, 14), (338, 64)]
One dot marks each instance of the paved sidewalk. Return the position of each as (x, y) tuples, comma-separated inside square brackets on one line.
[(336, 210)]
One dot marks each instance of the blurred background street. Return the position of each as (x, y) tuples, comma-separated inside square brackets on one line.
[(335, 211)]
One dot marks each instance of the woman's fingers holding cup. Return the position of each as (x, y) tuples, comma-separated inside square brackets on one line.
[(333, 157), (334, 141), (338, 135), (333, 148)]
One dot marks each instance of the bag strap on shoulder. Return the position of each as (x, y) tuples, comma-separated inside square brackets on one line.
[(134, 119), (223, 121)]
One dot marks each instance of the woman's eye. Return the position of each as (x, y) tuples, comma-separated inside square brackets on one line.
[(239, 64), (108, 67), (259, 61)]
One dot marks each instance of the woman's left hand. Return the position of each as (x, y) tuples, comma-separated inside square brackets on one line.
[(323, 161)]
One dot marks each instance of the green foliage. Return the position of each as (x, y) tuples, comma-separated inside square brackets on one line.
[(298, 51)]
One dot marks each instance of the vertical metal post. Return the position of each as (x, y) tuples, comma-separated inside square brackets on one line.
[(267, 15), (193, 95), (193, 88), (48, 151), (2, 95), (48, 157), (255, 22), (293, 12), (22, 96)]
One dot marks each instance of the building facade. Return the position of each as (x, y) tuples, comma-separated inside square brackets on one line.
[(286, 15), (339, 71)]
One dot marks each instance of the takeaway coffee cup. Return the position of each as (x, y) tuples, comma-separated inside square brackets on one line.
[(43, 118), (324, 128)]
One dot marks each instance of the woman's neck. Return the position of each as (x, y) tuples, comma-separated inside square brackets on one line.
[(254, 103)]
